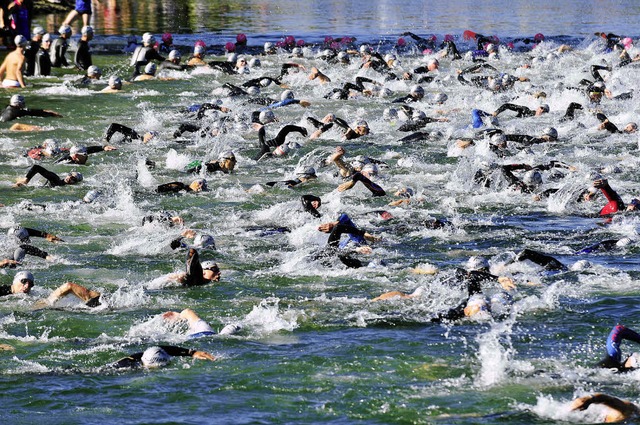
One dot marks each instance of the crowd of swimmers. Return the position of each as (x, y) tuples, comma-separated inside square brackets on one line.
[(347, 244)]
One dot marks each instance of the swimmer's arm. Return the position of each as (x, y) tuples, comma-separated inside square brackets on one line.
[(583, 403), (40, 234), (8, 263), (174, 351)]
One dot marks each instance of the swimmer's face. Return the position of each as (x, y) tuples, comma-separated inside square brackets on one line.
[(315, 204), (211, 275), (630, 128), (228, 164), (362, 129), (70, 180), (22, 287)]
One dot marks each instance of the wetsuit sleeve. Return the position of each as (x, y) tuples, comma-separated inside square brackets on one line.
[(36, 252), (152, 54), (128, 133), (205, 107), (546, 261), (453, 314), (128, 362), (341, 123), (523, 139), (522, 111), (284, 132), (37, 113), (194, 270), (36, 233), (615, 203), (595, 71), (340, 229), (630, 335), (374, 188), (52, 178), (82, 58), (175, 351), (226, 67), (94, 149), (172, 187), (5, 290), (570, 113)]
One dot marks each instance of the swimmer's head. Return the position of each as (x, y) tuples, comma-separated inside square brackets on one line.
[(476, 304), (175, 55), (267, 117), (65, 31), (390, 114), (46, 38), (417, 92), (543, 108), (362, 127), (297, 52), (94, 72), (148, 39), (167, 38), (198, 185), (631, 127), (532, 178), (476, 263), (365, 49), (38, 31), (51, 147), (73, 177), (20, 233), (282, 150), (204, 241), (76, 151), (20, 41), (539, 37), (155, 357), (87, 31), (210, 270), (22, 282), (624, 242), (499, 139), (580, 265), (287, 95), (229, 47), (306, 172), (241, 38), (550, 133), (418, 115), (17, 100), (269, 47), (439, 98), (199, 50), (91, 196), (150, 68), (115, 82), (255, 63), (500, 302)]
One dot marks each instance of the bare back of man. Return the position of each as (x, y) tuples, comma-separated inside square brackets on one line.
[(11, 69)]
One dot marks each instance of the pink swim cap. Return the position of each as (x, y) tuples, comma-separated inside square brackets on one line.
[(538, 37), (448, 37), (401, 42), (200, 43), (289, 40), (510, 45), (346, 40), (627, 42), (280, 43), (167, 38), (328, 39), (427, 51), (230, 47), (241, 38), (300, 43), (433, 38), (335, 45)]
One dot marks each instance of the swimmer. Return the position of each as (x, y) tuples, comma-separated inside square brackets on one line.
[(149, 73), (48, 149), (114, 85), (288, 98), (58, 49), (166, 43), (197, 274), (159, 356), (277, 142), (617, 410), (226, 163), (363, 176), (92, 76), (613, 358), (197, 59), (79, 154), (129, 134), (522, 111), (614, 203), (310, 204), (82, 58), (31, 50), (11, 68), (22, 283), (52, 178), (198, 328), (361, 129), (145, 54), (605, 124), (17, 109), (173, 62), (42, 65), (303, 175), (198, 185), (163, 217), (356, 241), (89, 297)]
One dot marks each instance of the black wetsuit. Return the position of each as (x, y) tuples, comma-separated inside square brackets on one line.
[(129, 133), (11, 113), (194, 270), (167, 64), (522, 111), (173, 187), (30, 53), (5, 290), (265, 145), (135, 360), (473, 280), (142, 56), (374, 188), (543, 260), (306, 204), (82, 58), (211, 166), (57, 52), (42, 63), (52, 178)]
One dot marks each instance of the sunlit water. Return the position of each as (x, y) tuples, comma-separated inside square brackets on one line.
[(313, 347)]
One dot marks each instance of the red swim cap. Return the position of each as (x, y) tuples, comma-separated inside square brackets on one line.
[(538, 37), (230, 47), (167, 38), (241, 38)]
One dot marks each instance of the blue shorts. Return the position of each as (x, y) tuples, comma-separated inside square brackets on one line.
[(83, 6)]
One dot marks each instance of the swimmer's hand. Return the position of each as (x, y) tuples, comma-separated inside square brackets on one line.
[(53, 238), (53, 113), (203, 355), (346, 186), (188, 233), (369, 237), (507, 283), (327, 227), (364, 250), (581, 403), (6, 347), (305, 103), (8, 263), (600, 183), (21, 182), (109, 148), (171, 316), (463, 144)]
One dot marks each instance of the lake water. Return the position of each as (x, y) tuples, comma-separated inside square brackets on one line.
[(313, 347)]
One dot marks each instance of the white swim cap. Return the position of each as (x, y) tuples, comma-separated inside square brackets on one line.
[(155, 357), (65, 29), (417, 91), (532, 178), (287, 94), (204, 241), (78, 150), (550, 132), (148, 38), (23, 275), (87, 30), (150, 68), (199, 49), (91, 196), (94, 71), (174, 54), (38, 30), (476, 263), (115, 82), (210, 265), (305, 172), (19, 232), (17, 100), (267, 116), (20, 41)]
